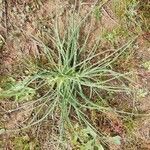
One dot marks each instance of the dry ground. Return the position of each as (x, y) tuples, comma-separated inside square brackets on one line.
[(22, 18)]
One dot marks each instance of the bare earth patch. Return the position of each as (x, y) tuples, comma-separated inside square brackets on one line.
[(24, 19)]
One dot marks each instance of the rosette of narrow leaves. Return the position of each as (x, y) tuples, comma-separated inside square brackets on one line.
[(71, 79)]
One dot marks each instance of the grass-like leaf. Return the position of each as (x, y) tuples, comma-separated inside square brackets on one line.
[(68, 83)]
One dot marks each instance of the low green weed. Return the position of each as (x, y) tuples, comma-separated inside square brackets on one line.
[(146, 65), (70, 80), (97, 13)]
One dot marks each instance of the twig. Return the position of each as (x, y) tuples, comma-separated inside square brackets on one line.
[(106, 11), (6, 15)]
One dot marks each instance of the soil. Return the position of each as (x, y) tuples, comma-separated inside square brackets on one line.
[(20, 20)]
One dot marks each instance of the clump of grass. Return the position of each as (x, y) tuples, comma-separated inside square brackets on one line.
[(69, 80)]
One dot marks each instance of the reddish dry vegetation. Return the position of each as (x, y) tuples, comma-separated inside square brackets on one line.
[(21, 19)]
